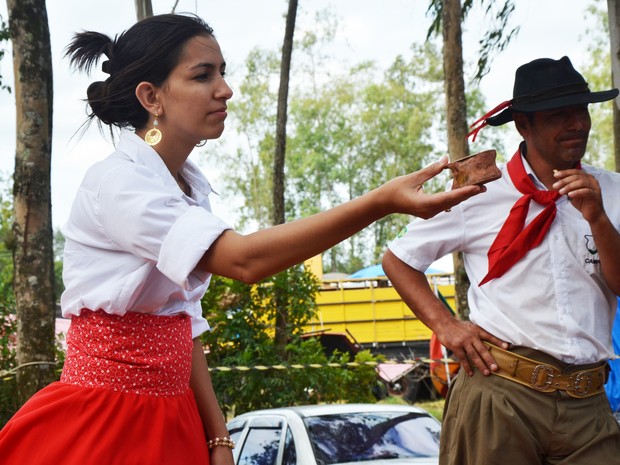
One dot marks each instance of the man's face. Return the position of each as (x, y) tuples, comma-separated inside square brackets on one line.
[(559, 136)]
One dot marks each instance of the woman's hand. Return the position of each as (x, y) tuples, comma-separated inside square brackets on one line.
[(405, 194)]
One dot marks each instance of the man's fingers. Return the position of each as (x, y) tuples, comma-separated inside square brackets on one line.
[(475, 355), (466, 366), (494, 340)]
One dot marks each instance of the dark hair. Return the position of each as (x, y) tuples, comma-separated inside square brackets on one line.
[(148, 51)]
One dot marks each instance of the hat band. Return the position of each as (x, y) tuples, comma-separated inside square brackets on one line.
[(549, 94)]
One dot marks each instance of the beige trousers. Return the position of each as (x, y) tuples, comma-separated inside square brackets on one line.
[(489, 420)]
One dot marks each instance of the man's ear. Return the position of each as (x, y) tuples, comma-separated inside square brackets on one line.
[(148, 96), (521, 122)]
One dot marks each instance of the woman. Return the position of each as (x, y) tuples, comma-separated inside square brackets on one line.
[(141, 245)]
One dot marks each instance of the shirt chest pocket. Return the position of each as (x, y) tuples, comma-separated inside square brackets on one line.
[(580, 240)]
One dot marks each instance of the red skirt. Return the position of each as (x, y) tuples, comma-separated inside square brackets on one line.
[(123, 398)]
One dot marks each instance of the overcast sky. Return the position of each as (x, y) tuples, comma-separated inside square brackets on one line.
[(369, 29)]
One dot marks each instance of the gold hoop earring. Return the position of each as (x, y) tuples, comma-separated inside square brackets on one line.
[(153, 136)]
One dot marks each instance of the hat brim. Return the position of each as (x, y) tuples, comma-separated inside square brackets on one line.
[(558, 102)]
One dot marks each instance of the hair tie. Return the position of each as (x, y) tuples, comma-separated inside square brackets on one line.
[(106, 67), (108, 51)]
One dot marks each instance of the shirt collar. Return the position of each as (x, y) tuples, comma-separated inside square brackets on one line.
[(138, 151), (528, 168)]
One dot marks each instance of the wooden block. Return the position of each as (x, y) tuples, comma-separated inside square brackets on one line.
[(478, 168)]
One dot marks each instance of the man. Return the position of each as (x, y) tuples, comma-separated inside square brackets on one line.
[(542, 250)]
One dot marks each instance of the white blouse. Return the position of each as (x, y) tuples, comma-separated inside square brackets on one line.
[(133, 238)]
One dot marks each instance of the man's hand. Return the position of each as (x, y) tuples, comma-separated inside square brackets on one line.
[(583, 191), (465, 340)]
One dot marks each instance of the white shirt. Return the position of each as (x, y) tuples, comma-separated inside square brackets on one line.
[(555, 298), (133, 238)]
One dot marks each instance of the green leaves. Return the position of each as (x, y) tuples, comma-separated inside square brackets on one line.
[(242, 319), (4, 36)]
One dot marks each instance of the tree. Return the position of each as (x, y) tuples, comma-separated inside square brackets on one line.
[(144, 9), (495, 38), (280, 156), (281, 117), (456, 110), (613, 11), (250, 169), (4, 36), (33, 253), (355, 132), (598, 73), (348, 133), (449, 15)]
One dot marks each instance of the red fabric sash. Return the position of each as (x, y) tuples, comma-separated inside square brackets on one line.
[(513, 241)]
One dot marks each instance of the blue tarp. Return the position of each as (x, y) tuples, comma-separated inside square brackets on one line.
[(376, 271), (613, 383)]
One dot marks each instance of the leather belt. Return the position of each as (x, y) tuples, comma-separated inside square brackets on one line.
[(545, 377)]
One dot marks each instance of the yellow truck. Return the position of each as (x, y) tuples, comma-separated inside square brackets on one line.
[(371, 315)]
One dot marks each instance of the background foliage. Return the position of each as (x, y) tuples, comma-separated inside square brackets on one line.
[(350, 129), (242, 318)]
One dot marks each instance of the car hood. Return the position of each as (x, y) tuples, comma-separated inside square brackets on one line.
[(403, 461)]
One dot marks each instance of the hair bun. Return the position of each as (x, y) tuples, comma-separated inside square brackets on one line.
[(97, 94)]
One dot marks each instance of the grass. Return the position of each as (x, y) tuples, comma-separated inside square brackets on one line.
[(434, 407)]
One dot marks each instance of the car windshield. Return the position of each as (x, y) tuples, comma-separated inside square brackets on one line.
[(355, 437)]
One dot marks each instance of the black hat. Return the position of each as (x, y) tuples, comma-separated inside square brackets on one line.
[(544, 84)]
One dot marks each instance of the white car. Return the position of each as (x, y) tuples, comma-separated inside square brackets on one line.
[(379, 434)]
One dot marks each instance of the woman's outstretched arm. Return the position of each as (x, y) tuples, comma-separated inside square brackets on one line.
[(250, 258)]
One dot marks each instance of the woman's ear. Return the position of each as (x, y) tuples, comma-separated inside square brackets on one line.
[(148, 96)]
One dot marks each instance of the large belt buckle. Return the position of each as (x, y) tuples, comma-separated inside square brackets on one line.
[(549, 373), (581, 384)]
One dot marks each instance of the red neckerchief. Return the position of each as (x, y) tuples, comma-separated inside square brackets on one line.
[(513, 241)]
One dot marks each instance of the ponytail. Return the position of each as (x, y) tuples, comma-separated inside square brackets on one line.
[(87, 47)]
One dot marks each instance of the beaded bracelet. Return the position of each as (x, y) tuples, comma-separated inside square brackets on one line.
[(226, 442)]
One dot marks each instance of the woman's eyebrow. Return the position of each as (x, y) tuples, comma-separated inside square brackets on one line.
[(208, 66)]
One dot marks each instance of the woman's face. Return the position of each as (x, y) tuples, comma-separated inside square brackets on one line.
[(193, 98)]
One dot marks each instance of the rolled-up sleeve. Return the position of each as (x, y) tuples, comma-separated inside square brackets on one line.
[(188, 239), (424, 241), (156, 222)]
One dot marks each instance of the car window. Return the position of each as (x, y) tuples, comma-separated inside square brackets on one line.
[(260, 447), (235, 428), (290, 453), (370, 436)]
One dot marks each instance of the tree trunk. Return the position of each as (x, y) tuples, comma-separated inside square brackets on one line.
[(144, 9), (613, 13), (280, 338), (456, 109), (280, 152), (33, 254)]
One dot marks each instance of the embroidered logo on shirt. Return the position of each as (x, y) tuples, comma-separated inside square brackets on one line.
[(402, 233), (591, 246)]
